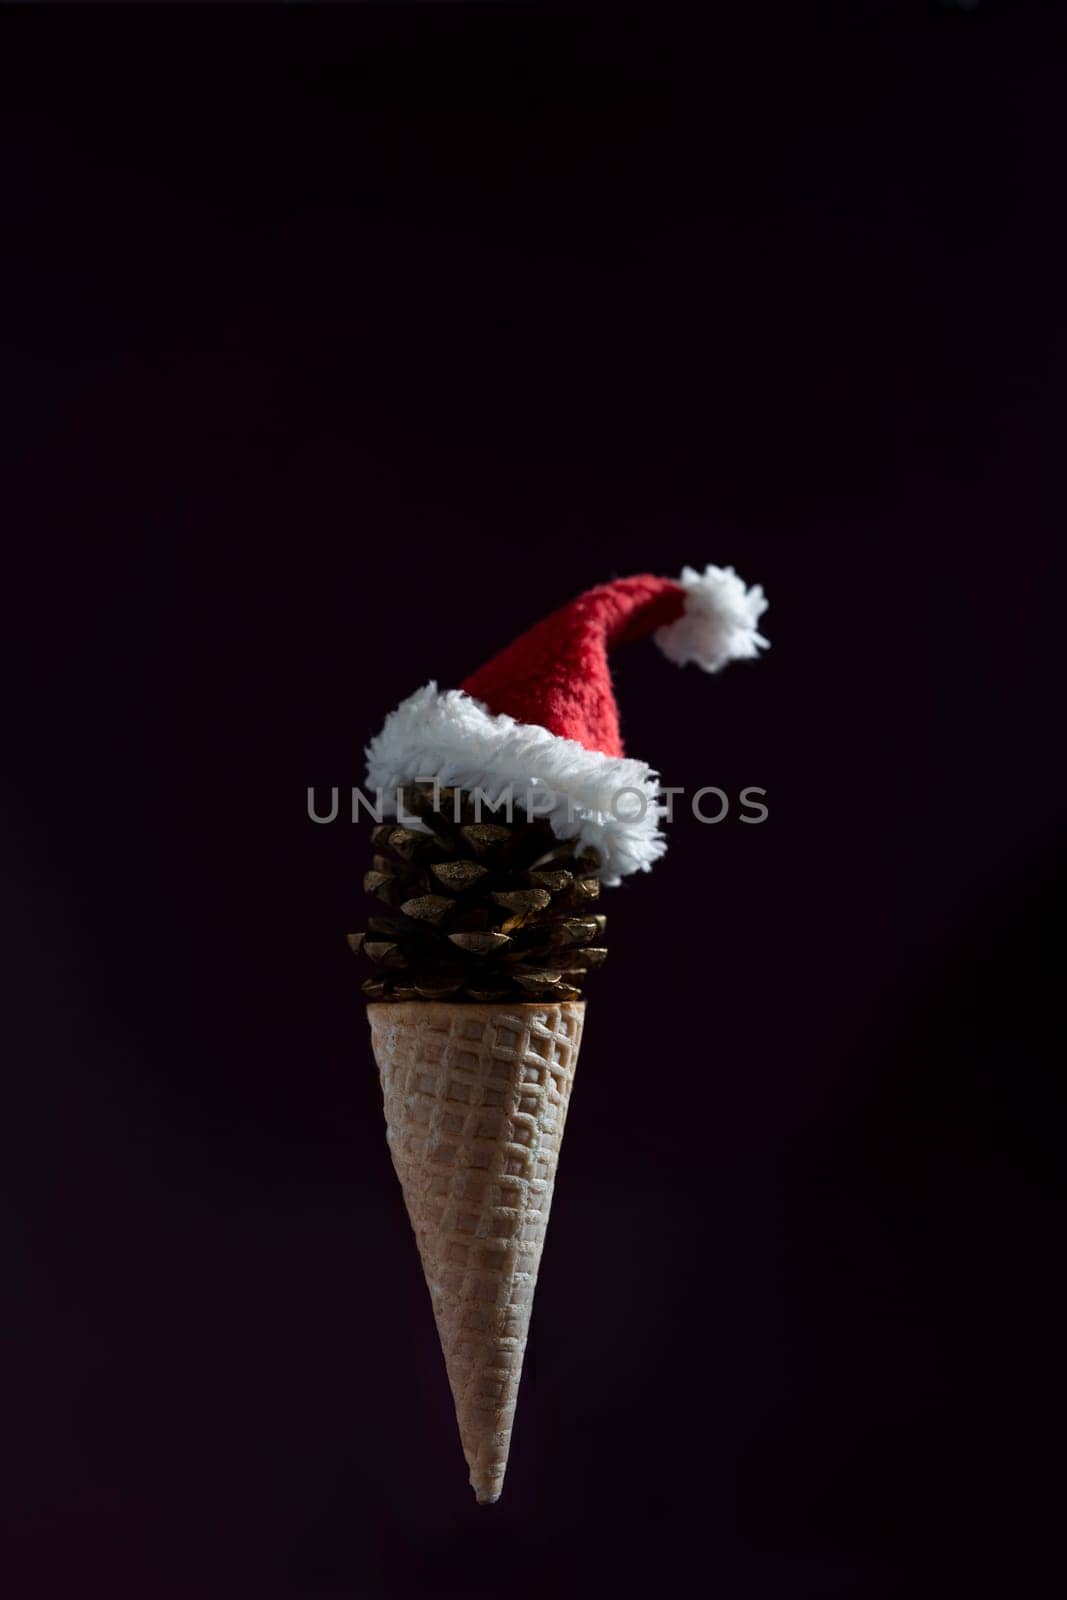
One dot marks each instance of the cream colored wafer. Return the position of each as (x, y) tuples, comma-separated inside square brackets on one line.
[(475, 1102)]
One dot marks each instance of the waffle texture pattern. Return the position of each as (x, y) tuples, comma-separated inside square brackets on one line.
[(476, 1099)]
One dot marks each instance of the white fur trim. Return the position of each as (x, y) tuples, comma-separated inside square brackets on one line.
[(719, 621), (448, 735)]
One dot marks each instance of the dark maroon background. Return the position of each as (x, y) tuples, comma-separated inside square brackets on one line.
[(340, 346)]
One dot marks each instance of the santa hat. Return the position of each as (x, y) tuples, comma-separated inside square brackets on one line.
[(539, 722)]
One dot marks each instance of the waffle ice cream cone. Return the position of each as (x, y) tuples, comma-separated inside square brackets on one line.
[(475, 1103)]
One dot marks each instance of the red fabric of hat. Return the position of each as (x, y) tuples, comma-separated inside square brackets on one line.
[(557, 674)]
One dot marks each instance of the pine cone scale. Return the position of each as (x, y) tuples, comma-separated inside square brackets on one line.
[(480, 911)]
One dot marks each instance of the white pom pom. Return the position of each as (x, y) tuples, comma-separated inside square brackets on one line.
[(719, 621)]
